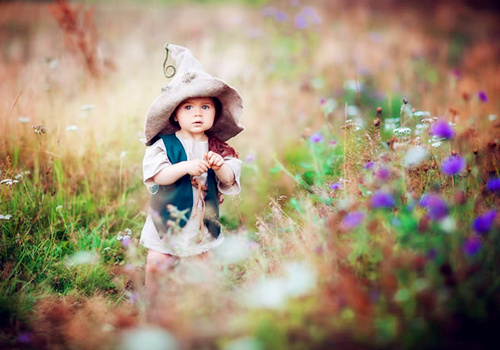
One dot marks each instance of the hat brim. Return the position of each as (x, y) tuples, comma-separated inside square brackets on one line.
[(225, 127)]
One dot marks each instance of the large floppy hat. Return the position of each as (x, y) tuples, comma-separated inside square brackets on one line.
[(188, 81)]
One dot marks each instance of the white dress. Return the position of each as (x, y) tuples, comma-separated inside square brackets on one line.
[(186, 242)]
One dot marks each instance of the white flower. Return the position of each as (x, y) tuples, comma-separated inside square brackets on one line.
[(148, 338), (123, 154), (72, 128), (272, 293), (353, 85), (5, 217), (448, 224), (82, 257), (402, 131), (122, 235), (233, 249), (415, 156), (8, 182), (53, 63), (352, 111), (421, 114), (24, 120)]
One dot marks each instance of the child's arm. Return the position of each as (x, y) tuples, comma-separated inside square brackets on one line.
[(223, 172), (174, 172)]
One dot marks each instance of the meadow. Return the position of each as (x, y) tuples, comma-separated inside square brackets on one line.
[(368, 217)]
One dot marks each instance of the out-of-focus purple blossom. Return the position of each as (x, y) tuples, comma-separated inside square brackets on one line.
[(374, 296), (382, 200), (322, 100), (133, 297), (336, 186), (305, 17), (300, 22), (332, 142), (457, 73), (435, 205), (375, 37), (316, 137), (253, 245), (472, 245), (24, 337), (482, 96), (482, 224), (493, 184), (369, 165), (126, 241), (280, 16), (250, 158), (269, 11), (442, 129), (453, 165), (431, 254), (383, 173), (352, 220)]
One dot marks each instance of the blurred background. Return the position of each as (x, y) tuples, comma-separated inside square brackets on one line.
[(77, 79)]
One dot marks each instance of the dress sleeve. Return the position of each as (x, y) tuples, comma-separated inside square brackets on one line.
[(155, 159), (235, 165)]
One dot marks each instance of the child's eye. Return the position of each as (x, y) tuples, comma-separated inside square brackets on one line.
[(206, 107), (188, 107)]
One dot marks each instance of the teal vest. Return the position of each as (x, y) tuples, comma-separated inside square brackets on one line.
[(180, 193)]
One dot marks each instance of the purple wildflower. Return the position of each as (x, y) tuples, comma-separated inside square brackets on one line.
[(322, 100), (431, 254), (369, 165), (442, 129), (306, 16), (383, 174), (24, 337), (493, 184), (472, 245), (382, 200), (300, 21), (453, 165), (336, 186), (352, 220), (311, 14), (436, 206), (482, 224), (482, 96), (269, 11), (316, 137), (250, 158), (126, 241), (280, 16)]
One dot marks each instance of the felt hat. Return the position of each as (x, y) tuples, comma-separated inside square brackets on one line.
[(188, 81)]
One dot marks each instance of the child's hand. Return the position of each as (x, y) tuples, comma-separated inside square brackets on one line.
[(197, 167), (215, 160)]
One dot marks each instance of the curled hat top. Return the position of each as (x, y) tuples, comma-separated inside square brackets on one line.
[(189, 81)]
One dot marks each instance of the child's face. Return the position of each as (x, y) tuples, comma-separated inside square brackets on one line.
[(195, 115)]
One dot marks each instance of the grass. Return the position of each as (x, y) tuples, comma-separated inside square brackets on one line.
[(313, 257)]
